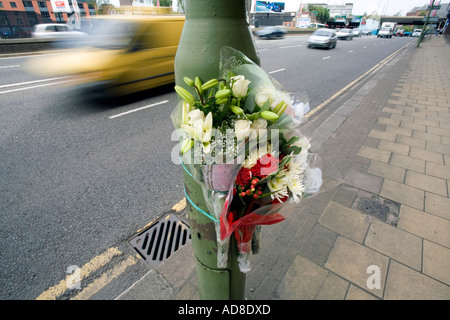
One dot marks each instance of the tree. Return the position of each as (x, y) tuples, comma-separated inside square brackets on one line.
[(323, 15)]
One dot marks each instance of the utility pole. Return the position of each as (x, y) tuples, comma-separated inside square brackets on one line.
[(209, 26), (422, 34)]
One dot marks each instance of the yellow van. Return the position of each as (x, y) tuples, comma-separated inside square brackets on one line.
[(122, 53)]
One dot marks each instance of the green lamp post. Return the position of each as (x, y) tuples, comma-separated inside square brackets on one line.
[(209, 26)]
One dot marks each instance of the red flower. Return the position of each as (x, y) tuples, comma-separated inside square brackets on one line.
[(266, 165), (244, 177)]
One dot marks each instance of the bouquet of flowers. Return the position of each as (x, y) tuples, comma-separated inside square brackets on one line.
[(240, 139)]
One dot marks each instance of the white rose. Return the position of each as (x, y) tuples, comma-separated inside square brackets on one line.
[(281, 97), (240, 86), (262, 96), (242, 129), (303, 143), (259, 124), (195, 115), (258, 127)]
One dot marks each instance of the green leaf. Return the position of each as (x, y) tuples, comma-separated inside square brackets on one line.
[(294, 149)]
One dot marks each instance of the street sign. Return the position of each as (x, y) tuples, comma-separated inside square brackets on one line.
[(433, 8)]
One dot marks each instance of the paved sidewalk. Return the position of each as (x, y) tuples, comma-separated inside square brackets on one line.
[(384, 233)]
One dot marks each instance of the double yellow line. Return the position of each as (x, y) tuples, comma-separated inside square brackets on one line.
[(95, 264)]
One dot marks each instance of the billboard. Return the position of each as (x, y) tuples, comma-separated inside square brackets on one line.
[(269, 6), (60, 5)]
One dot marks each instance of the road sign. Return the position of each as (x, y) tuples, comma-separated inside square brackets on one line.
[(433, 8)]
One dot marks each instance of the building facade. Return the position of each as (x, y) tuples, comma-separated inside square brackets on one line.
[(17, 17)]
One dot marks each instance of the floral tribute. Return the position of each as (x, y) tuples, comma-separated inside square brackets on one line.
[(239, 138)]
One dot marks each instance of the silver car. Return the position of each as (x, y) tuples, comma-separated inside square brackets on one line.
[(323, 38), (346, 34), (55, 31)]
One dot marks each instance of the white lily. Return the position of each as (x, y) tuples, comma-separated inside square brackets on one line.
[(199, 128), (184, 112)]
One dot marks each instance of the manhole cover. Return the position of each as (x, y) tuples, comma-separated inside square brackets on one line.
[(161, 239), (378, 207)]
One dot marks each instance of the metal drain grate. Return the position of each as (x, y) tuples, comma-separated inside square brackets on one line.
[(159, 241)]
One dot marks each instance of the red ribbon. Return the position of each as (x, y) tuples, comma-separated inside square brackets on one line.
[(251, 219)]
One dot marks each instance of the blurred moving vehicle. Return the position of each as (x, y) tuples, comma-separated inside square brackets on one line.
[(366, 32), (55, 30), (271, 32), (121, 54), (345, 33), (323, 38), (356, 32)]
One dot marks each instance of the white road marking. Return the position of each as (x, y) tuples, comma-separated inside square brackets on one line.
[(275, 71), (294, 46), (138, 109), (38, 86), (327, 57), (30, 82), (350, 50), (13, 66)]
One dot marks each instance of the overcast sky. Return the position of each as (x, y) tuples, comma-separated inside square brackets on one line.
[(385, 7)]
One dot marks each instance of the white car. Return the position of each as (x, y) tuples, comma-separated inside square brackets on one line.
[(416, 33), (55, 30)]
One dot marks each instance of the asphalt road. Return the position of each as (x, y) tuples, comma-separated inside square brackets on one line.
[(80, 175)]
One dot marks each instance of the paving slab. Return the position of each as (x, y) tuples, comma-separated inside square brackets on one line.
[(353, 262), (404, 283), (395, 243)]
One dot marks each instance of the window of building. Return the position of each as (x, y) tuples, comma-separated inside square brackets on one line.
[(1, 4), (45, 14), (27, 3), (13, 4), (42, 4)]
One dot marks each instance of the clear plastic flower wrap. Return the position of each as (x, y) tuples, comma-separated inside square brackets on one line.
[(240, 139)]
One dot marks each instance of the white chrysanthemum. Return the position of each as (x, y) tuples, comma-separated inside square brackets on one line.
[(250, 161), (295, 186), (278, 185)]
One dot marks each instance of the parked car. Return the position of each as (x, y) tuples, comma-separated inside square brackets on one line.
[(366, 32), (323, 38), (356, 32), (55, 30), (271, 32), (345, 33), (121, 55)]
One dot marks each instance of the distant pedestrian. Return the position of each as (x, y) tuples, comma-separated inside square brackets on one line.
[(438, 32)]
